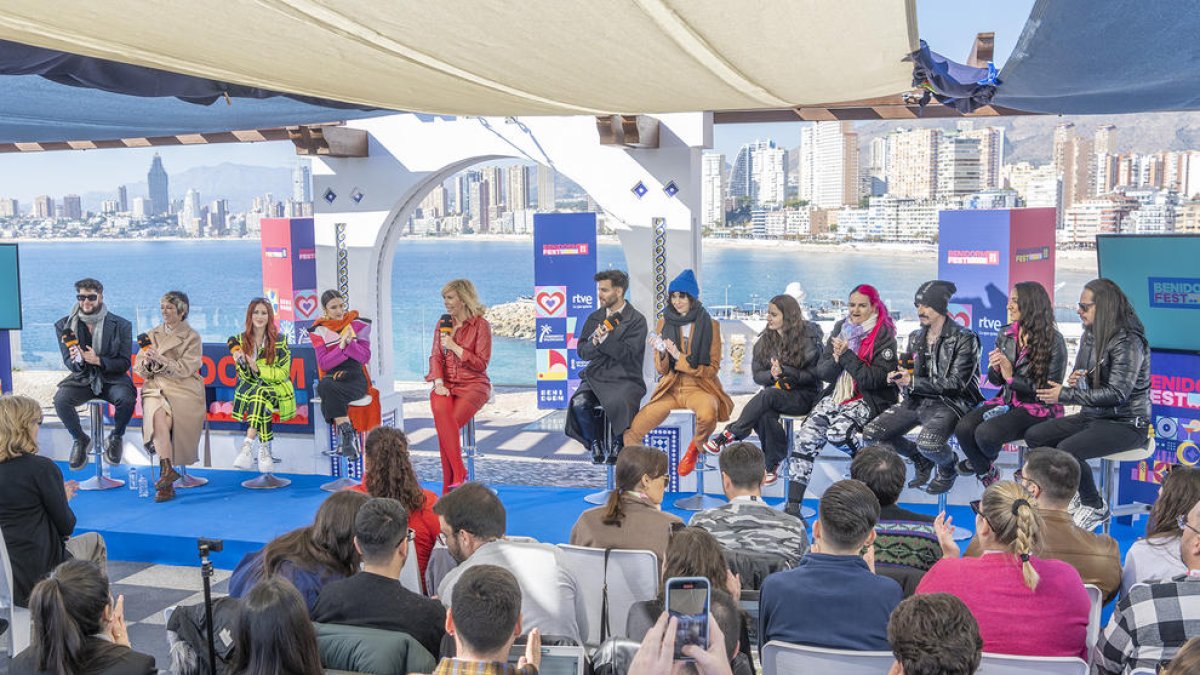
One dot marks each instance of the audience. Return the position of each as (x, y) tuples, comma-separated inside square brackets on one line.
[(273, 633), (485, 620), (1025, 605), (1052, 477), (934, 634), (1156, 557), (35, 517), (747, 523), (79, 629), (388, 472), (833, 598), (374, 597), (633, 518), (1152, 622), (656, 656), (905, 544), (472, 525), (310, 556)]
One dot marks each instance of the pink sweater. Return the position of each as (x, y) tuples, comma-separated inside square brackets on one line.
[(1051, 621)]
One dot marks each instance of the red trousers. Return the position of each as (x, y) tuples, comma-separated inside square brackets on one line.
[(450, 414)]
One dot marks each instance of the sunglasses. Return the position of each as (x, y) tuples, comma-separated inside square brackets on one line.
[(975, 507), (1085, 306), (87, 297)]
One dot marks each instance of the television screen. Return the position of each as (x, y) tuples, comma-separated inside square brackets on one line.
[(10, 288), (1161, 276)]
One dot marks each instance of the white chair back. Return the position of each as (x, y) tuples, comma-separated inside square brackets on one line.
[(633, 576), (1093, 627), (1007, 664), (16, 638), (410, 574), (782, 658)]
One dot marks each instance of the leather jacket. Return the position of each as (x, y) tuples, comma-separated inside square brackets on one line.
[(952, 375), (796, 376), (1022, 384), (871, 378), (1124, 390)]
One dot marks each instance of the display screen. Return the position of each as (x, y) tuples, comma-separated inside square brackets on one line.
[(1161, 276), (687, 602), (10, 288)]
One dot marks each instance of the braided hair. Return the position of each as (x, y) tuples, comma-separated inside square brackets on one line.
[(1008, 510)]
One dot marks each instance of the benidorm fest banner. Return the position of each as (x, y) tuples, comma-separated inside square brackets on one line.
[(564, 292)]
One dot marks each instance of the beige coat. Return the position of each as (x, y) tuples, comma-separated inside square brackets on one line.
[(644, 528), (175, 385)]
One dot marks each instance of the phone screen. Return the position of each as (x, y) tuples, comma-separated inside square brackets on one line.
[(687, 602)]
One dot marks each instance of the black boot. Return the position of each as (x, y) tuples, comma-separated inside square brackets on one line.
[(79, 452), (924, 468), (944, 481), (114, 447), (795, 497), (598, 454)]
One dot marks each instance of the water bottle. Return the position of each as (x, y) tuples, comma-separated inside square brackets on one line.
[(143, 486), (995, 412), (132, 480)]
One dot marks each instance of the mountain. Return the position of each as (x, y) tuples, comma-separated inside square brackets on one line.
[(238, 183)]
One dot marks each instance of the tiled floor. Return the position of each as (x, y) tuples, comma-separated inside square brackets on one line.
[(150, 589)]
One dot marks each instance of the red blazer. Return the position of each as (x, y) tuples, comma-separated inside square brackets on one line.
[(470, 371), (424, 524)]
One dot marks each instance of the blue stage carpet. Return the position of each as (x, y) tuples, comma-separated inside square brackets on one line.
[(139, 530)]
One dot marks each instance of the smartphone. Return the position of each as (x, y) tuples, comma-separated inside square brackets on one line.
[(688, 600)]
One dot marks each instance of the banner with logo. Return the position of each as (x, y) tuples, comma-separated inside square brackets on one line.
[(289, 265), (985, 252), (564, 292), (1161, 278)]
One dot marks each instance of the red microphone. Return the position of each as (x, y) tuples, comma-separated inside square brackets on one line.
[(445, 327)]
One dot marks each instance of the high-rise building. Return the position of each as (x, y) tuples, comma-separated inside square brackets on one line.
[(741, 178), (462, 193), (189, 216), (1190, 178), (877, 158), (1036, 185), (9, 208), (991, 153), (43, 206), (494, 175), (1105, 160), (518, 187), (436, 203), (712, 190), (829, 165), (1105, 139), (1074, 161), (72, 207), (547, 197), (479, 199), (122, 199), (958, 170), (912, 163), (156, 179), (141, 207), (769, 174), (218, 214), (302, 181)]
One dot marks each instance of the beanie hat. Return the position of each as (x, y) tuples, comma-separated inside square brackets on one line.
[(685, 283), (936, 295)]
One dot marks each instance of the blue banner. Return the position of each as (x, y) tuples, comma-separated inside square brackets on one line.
[(564, 267), (973, 252)]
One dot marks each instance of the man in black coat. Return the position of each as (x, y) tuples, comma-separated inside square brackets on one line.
[(613, 341), (96, 347)]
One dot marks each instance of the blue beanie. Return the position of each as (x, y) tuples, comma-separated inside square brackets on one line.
[(685, 283)]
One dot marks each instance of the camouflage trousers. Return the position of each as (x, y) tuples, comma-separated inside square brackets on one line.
[(828, 422)]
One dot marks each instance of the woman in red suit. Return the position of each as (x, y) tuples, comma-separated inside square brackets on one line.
[(462, 347)]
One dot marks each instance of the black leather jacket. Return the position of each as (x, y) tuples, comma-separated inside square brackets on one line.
[(953, 373), (871, 378), (1022, 384), (1124, 390), (795, 376)]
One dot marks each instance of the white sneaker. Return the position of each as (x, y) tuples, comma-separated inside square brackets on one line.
[(266, 463), (1088, 517), (245, 458)]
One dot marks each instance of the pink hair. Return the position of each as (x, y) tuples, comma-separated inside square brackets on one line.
[(867, 349)]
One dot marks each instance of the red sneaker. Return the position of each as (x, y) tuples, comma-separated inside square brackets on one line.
[(688, 463)]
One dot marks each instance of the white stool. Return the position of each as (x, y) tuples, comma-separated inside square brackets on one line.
[(1108, 478), (789, 425), (99, 481), (601, 497), (345, 481)]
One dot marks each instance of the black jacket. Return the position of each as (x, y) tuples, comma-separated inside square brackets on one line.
[(1022, 384), (1124, 391), (35, 520), (614, 369), (801, 375), (952, 376), (128, 662), (871, 378), (114, 353)]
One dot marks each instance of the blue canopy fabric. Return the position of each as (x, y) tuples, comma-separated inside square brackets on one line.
[(955, 85), (1088, 57)]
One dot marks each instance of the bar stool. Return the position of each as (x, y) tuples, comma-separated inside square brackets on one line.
[(789, 426), (99, 481), (470, 450), (601, 497), (700, 501), (1108, 478), (186, 480), (344, 481), (960, 533)]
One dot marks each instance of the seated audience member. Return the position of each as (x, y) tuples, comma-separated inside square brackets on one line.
[(934, 634), (656, 656), (485, 620), (1052, 476), (633, 519), (388, 472), (473, 521), (833, 598), (1025, 605), (374, 597), (747, 523), (79, 630), (905, 544), (310, 556), (1153, 621), (1186, 661), (35, 516), (1156, 556), (273, 634)]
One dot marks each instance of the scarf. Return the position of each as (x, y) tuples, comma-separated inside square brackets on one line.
[(858, 337), (339, 325), (700, 349), (95, 325)]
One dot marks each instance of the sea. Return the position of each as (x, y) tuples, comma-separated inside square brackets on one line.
[(221, 276)]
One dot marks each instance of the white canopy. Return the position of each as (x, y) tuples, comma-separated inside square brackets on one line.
[(502, 57)]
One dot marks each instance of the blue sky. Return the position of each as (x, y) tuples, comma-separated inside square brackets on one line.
[(949, 26)]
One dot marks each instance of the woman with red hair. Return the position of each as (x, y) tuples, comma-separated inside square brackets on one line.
[(264, 388), (857, 358)]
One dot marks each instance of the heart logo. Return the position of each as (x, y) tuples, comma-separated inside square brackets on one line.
[(551, 302), (306, 305)]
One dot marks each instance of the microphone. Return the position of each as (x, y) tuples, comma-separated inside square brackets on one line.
[(235, 347), (143, 341), (445, 327), (608, 325), (72, 343)]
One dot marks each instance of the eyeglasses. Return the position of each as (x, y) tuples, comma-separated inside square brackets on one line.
[(975, 506), (1085, 306), (1019, 476), (1182, 522), (87, 297)]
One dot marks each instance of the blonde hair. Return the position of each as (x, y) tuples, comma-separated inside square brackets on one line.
[(466, 292), (178, 300), (1007, 508), (18, 417)]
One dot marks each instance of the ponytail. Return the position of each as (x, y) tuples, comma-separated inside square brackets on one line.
[(1015, 523), (1027, 531), (67, 609), (614, 513), (633, 462), (57, 638)]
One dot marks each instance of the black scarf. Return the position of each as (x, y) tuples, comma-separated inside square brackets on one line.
[(700, 352)]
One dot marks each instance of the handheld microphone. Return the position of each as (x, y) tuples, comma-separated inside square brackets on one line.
[(235, 346), (611, 322), (72, 343), (143, 341), (445, 327)]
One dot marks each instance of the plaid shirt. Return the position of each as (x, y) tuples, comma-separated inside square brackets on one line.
[(457, 667), (1149, 626)]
